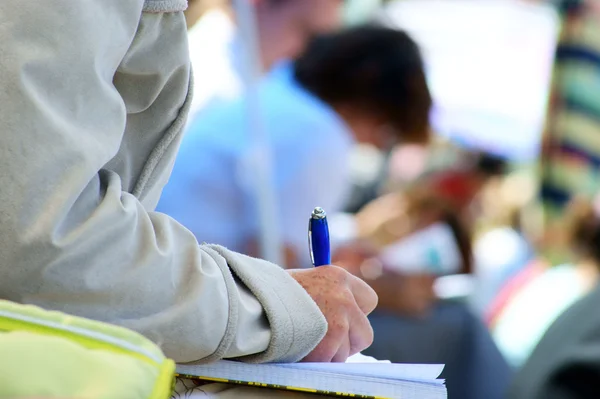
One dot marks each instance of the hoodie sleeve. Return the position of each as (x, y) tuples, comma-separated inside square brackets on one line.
[(72, 238)]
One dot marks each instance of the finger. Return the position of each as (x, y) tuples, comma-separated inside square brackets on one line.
[(364, 295), (337, 333), (323, 353), (360, 334), (343, 351)]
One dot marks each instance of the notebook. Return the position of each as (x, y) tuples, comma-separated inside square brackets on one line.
[(360, 377)]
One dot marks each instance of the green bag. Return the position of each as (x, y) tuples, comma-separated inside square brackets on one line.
[(53, 355)]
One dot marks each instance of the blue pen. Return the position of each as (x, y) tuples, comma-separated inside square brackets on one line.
[(318, 238)]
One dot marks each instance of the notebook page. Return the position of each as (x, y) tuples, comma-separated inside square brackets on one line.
[(277, 375), (360, 358), (394, 371)]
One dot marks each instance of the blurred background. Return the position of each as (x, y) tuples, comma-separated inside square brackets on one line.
[(478, 228)]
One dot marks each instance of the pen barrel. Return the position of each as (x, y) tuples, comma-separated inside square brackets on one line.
[(319, 242)]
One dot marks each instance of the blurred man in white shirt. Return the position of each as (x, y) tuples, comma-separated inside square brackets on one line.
[(361, 85)]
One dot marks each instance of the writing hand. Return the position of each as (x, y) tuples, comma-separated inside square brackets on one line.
[(345, 301)]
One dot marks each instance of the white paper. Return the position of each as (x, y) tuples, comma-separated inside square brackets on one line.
[(360, 358), (394, 381), (431, 250), (395, 371)]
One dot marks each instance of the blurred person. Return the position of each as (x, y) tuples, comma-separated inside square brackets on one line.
[(503, 247), (91, 125), (416, 221), (463, 182), (411, 324), (364, 84), (540, 294), (461, 185), (456, 186), (217, 49), (502, 255), (569, 173), (565, 363)]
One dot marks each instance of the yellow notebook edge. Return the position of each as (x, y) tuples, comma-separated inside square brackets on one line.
[(279, 387)]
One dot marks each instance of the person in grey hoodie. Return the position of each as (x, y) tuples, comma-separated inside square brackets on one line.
[(94, 95)]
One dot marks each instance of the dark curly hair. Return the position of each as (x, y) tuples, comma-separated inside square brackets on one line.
[(377, 68)]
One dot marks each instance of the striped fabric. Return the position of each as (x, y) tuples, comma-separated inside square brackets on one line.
[(571, 153), (570, 160)]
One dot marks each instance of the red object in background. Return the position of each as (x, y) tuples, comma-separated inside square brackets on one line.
[(458, 187)]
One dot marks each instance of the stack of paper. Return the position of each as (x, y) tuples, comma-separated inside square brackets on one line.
[(352, 379)]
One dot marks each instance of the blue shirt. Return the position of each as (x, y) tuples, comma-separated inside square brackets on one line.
[(211, 187)]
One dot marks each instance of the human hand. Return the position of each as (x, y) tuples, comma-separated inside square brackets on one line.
[(345, 301)]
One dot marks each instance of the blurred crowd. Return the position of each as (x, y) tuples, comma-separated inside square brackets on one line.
[(481, 262)]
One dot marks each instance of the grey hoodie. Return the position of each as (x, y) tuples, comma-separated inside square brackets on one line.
[(93, 98)]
